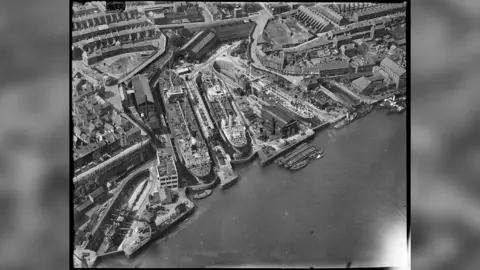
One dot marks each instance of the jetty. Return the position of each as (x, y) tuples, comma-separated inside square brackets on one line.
[(267, 159)]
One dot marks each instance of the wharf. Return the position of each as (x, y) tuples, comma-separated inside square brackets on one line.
[(244, 160), (202, 186), (265, 160), (326, 124), (109, 255), (227, 178)]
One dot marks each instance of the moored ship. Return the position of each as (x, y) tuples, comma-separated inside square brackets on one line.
[(301, 156), (152, 232), (299, 165), (202, 194), (280, 161), (227, 120), (192, 148)]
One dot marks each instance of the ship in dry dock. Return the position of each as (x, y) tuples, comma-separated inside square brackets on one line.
[(192, 148), (232, 128)]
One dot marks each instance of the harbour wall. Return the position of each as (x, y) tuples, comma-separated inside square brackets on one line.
[(322, 126), (162, 232), (109, 255), (245, 160), (202, 186)]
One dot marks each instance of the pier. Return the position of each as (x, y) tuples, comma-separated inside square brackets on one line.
[(244, 160), (265, 160)]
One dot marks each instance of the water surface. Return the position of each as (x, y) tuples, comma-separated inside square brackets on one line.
[(348, 206)]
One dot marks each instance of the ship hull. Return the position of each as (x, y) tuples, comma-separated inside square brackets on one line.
[(159, 233), (206, 177)]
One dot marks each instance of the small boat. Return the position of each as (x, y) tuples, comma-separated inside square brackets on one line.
[(385, 104), (279, 160), (320, 156), (396, 109), (202, 194), (299, 165)]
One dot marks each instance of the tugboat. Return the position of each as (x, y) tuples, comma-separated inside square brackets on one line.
[(202, 194), (299, 165), (396, 109), (386, 103)]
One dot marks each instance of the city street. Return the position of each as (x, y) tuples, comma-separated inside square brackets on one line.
[(264, 6), (206, 13)]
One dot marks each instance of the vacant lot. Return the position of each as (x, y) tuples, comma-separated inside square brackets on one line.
[(119, 65), (279, 32), (298, 32)]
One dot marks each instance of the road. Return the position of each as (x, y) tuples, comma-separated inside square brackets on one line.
[(200, 24), (206, 13), (212, 58), (264, 6)]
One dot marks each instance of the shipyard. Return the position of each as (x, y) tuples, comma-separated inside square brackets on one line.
[(171, 100)]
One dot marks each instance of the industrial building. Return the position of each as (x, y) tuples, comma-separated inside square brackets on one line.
[(361, 84), (392, 72), (277, 118), (166, 171), (378, 11), (143, 94), (312, 19), (279, 8), (200, 44), (329, 14)]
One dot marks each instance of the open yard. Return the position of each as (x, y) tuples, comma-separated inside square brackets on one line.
[(119, 65), (279, 32), (299, 33)]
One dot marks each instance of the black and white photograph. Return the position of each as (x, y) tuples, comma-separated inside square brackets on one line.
[(240, 134)]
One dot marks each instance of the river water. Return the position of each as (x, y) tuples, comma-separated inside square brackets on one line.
[(348, 206)]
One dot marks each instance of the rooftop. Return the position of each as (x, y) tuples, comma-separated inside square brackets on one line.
[(142, 89), (394, 67), (203, 42), (361, 83), (97, 192), (279, 113)]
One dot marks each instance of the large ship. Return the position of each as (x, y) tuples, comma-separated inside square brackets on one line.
[(229, 122), (150, 233), (280, 99), (192, 148)]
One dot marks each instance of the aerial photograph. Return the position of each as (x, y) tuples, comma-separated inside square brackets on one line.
[(239, 134)]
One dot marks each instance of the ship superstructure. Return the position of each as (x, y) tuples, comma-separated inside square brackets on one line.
[(281, 99), (166, 170), (229, 122), (191, 147), (200, 109)]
